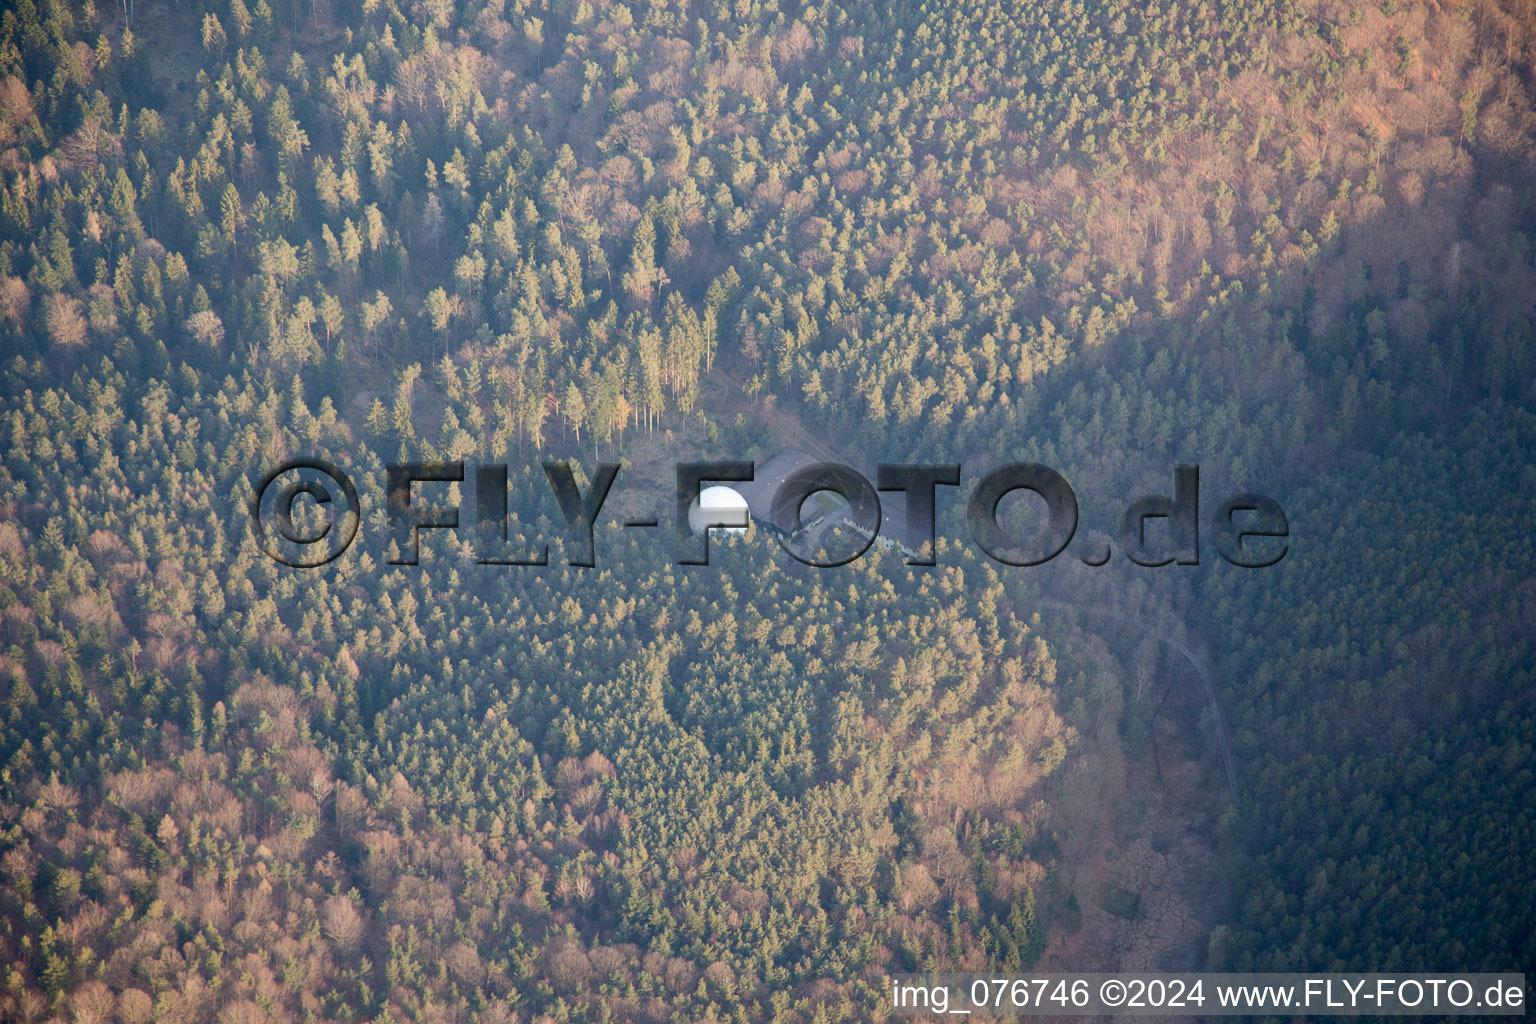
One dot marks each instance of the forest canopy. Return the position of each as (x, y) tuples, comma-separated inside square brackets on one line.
[(1289, 240)]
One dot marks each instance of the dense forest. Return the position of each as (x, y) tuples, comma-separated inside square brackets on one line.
[(1293, 241)]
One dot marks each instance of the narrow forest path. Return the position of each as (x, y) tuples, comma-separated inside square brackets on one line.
[(1206, 680)]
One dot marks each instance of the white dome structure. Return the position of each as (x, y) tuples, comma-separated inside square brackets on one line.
[(719, 504)]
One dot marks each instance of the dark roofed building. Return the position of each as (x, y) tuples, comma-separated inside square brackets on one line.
[(764, 486), (894, 532), (780, 516)]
